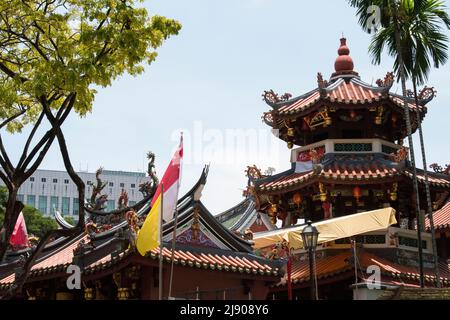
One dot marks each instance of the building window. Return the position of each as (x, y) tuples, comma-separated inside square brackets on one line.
[(352, 147), (66, 181), (111, 205), (75, 206), (54, 205), (89, 182), (42, 206), (55, 180), (387, 149), (122, 185), (133, 185), (20, 197), (43, 187), (111, 184), (65, 205), (32, 179), (43, 180), (31, 200)]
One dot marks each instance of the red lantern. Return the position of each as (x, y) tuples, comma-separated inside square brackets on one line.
[(297, 198), (394, 118), (352, 114), (357, 192)]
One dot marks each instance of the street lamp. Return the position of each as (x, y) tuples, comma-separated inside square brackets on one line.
[(309, 237)]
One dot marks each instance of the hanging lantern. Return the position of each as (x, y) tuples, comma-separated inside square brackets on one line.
[(352, 114), (394, 118), (273, 209), (88, 293), (378, 120), (393, 193), (297, 198), (290, 132), (290, 144), (357, 192)]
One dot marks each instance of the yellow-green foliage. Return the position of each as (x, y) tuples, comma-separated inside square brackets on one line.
[(50, 49)]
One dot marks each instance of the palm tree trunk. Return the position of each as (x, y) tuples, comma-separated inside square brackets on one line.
[(411, 149), (427, 190)]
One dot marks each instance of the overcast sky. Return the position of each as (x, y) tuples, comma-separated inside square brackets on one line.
[(208, 82)]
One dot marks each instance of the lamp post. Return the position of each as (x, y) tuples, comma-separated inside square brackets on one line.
[(309, 237)]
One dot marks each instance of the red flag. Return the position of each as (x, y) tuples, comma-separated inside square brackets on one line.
[(19, 237)]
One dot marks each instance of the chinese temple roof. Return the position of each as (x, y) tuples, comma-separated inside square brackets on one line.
[(345, 89), (244, 216), (334, 265), (351, 92), (348, 170), (201, 242), (441, 218)]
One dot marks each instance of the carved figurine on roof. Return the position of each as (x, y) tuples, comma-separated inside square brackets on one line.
[(349, 156), (148, 188), (98, 200)]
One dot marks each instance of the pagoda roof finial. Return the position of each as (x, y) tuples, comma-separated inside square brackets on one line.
[(344, 63)]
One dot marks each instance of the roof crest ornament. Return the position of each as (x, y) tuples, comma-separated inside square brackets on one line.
[(272, 98), (387, 82), (322, 84)]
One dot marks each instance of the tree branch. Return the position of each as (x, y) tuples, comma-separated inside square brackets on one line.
[(66, 158), (11, 73), (5, 156), (50, 134), (22, 278), (30, 138), (5, 180), (12, 118)]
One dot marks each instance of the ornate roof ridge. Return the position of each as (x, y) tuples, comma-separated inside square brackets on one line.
[(270, 98), (412, 100)]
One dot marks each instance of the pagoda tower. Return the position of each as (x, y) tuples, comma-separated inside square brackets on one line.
[(348, 156), (351, 156)]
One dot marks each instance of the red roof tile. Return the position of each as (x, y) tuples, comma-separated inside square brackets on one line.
[(402, 271), (223, 261), (435, 180), (325, 267), (441, 218), (332, 265), (352, 92), (343, 172)]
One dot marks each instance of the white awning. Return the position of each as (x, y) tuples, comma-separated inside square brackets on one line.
[(331, 229)]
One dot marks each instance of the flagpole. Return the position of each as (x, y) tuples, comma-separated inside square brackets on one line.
[(173, 251), (161, 243), (174, 238)]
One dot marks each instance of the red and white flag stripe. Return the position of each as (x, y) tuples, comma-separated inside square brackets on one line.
[(171, 181)]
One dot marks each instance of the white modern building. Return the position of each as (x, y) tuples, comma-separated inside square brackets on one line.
[(50, 190)]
